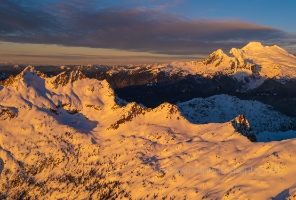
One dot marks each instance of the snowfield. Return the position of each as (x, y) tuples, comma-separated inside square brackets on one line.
[(70, 137)]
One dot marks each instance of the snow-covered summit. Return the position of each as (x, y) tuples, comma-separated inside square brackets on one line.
[(253, 45), (254, 61), (218, 58), (258, 47), (272, 61)]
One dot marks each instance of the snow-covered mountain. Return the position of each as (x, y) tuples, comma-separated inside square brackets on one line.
[(254, 61), (223, 108), (66, 137)]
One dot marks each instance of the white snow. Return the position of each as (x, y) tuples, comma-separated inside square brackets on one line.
[(153, 153)]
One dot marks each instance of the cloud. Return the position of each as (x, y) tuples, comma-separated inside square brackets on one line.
[(139, 29), (66, 59), (66, 56)]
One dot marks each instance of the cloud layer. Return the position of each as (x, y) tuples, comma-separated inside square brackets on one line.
[(71, 23)]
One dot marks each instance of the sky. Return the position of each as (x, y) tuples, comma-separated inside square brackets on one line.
[(113, 32)]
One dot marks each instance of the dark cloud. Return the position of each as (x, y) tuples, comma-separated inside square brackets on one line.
[(146, 30)]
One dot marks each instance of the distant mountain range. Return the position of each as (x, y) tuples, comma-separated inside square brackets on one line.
[(255, 72)]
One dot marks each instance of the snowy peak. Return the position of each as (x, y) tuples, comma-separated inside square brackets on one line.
[(259, 48), (67, 93), (219, 53), (30, 70), (273, 61), (253, 45), (215, 58), (25, 77)]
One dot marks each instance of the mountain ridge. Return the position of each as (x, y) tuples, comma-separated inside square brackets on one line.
[(32, 88), (60, 145)]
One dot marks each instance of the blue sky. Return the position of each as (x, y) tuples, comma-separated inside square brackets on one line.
[(278, 14), (115, 32)]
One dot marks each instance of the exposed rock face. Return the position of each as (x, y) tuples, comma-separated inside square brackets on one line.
[(132, 110), (7, 113), (67, 77), (9, 81), (241, 124)]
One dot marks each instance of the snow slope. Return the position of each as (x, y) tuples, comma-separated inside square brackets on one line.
[(72, 141)]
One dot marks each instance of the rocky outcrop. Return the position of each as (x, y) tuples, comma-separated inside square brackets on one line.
[(133, 110), (7, 113), (67, 77), (241, 125)]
